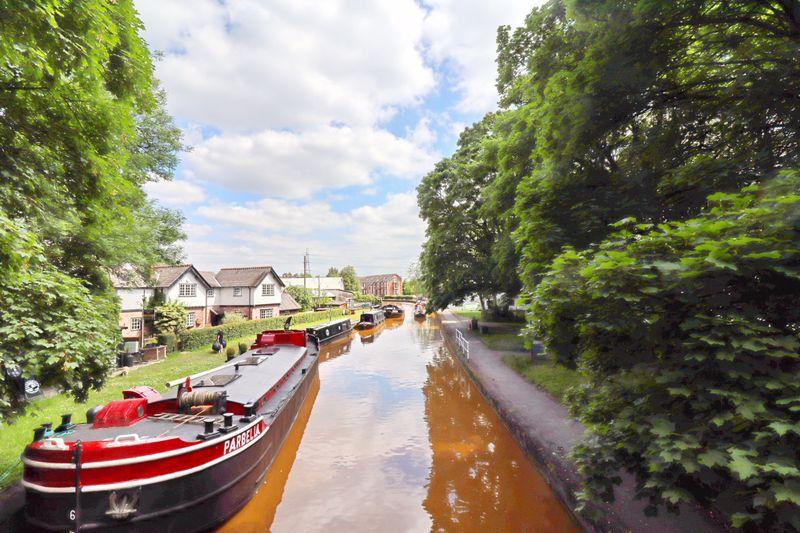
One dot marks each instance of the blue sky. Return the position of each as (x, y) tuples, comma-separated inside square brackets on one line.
[(312, 123)]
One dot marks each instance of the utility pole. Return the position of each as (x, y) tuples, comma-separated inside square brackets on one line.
[(306, 268)]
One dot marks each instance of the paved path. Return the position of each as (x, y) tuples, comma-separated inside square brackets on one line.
[(545, 431)]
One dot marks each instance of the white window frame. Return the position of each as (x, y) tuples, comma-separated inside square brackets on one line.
[(187, 290), (266, 312), (136, 323), (268, 289), (190, 318), (210, 293), (237, 291)]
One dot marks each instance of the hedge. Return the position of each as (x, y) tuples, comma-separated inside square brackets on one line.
[(199, 337)]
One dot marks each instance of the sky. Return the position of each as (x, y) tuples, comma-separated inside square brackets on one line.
[(312, 123)]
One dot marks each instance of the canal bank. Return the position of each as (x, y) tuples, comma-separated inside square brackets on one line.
[(545, 431)]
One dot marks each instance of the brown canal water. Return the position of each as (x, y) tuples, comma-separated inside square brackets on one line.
[(395, 437)]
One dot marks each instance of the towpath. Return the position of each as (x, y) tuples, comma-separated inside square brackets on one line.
[(547, 433)]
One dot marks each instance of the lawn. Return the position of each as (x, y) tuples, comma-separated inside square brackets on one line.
[(505, 339), (14, 437), (468, 313), (553, 378)]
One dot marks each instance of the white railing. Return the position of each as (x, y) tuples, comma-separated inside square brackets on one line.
[(462, 343)]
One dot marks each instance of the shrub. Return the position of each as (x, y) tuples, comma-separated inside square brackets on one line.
[(199, 337), (169, 340), (301, 295), (687, 333), (171, 318), (230, 351), (233, 318), (243, 347)]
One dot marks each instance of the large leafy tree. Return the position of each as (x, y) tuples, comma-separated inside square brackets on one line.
[(642, 109), (82, 129), (468, 249)]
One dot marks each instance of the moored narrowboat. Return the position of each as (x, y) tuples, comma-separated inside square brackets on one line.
[(393, 311), (331, 330), (371, 319), (182, 461)]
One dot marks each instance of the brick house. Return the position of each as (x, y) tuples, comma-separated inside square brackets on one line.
[(381, 285)]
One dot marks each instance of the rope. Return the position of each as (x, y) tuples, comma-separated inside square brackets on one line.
[(198, 397)]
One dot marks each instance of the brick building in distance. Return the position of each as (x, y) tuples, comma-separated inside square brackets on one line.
[(381, 285)]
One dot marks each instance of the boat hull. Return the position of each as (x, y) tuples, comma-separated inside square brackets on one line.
[(194, 502)]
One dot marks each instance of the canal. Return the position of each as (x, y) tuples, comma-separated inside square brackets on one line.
[(395, 437)]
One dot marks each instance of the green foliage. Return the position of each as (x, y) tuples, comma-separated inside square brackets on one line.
[(688, 335), (302, 296), (82, 129), (466, 249), (333, 272), (169, 340), (554, 378), (369, 298), (349, 279), (233, 318), (195, 338), (171, 318), (230, 351), (52, 326), (243, 347)]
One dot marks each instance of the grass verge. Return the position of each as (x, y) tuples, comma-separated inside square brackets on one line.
[(555, 379), (506, 339), (14, 437)]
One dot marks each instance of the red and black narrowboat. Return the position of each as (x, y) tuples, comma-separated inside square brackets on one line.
[(182, 461)]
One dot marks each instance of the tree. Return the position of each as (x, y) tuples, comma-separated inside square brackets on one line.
[(302, 296), (350, 280), (464, 233), (641, 109), (333, 272), (687, 335), (83, 128), (171, 318)]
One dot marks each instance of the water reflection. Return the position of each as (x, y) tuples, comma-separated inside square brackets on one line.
[(399, 439)]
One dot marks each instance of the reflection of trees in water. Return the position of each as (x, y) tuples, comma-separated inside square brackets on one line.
[(479, 478), (334, 349), (394, 323)]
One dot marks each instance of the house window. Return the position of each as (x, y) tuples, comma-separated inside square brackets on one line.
[(210, 293), (136, 323), (268, 289), (190, 319), (265, 313), (237, 291), (187, 290)]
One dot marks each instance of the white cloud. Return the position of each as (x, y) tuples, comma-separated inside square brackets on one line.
[(464, 32), (375, 239), (246, 65), (294, 165), (273, 215), (175, 192)]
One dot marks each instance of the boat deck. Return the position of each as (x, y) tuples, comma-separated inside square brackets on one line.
[(259, 370)]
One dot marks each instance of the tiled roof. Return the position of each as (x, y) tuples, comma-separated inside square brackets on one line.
[(209, 278), (244, 276), (165, 275), (288, 303), (379, 278)]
